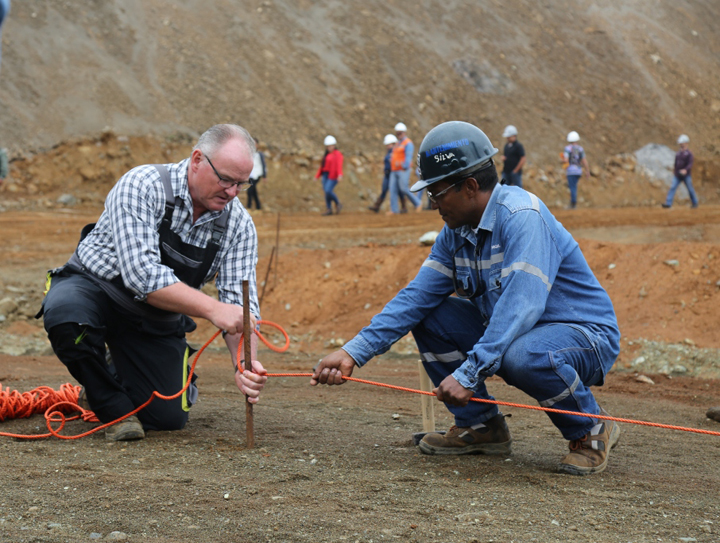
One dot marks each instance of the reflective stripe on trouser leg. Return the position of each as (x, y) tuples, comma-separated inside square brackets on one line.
[(443, 339), (189, 397), (556, 365)]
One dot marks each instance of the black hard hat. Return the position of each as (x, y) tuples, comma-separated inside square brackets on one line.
[(450, 149)]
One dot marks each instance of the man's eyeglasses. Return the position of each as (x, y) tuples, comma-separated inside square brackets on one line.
[(435, 197), (480, 286), (225, 182)]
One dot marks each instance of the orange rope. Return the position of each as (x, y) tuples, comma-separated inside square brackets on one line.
[(523, 406), (54, 405), (11, 404)]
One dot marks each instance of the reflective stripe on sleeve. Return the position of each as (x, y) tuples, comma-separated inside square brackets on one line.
[(453, 356), (435, 265)]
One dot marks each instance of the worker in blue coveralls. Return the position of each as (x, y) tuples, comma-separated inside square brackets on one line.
[(527, 308)]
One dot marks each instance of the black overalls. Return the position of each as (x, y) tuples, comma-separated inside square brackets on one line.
[(83, 314)]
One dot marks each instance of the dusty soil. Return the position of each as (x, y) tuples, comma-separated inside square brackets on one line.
[(90, 89), (339, 464)]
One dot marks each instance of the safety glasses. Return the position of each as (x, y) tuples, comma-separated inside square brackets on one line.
[(225, 182)]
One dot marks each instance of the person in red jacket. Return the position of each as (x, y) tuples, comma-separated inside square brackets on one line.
[(331, 172)]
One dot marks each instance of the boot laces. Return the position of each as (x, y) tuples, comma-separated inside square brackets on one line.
[(576, 444)]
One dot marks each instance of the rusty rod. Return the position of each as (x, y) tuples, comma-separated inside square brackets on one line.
[(247, 344)]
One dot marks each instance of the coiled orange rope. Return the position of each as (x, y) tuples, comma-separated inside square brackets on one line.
[(55, 404), (54, 413)]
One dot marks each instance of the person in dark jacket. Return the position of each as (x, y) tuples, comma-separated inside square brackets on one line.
[(513, 157), (259, 172), (681, 172)]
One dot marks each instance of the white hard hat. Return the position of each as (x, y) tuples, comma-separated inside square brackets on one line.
[(510, 130), (573, 136), (329, 140), (390, 138), (683, 138), (400, 127)]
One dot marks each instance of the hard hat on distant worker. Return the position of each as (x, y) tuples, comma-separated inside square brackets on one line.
[(509, 131), (452, 149), (683, 139), (573, 136), (389, 138), (329, 140), (400, 127)]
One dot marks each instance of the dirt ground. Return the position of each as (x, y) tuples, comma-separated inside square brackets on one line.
[(339, 464)]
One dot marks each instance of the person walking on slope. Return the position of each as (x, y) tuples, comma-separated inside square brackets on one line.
[(330, 172), (389, 142), (4, 165), (574, 158), (681, 172), (133, 283), (513, 158), (526, 307), (259, 172), (400, 163)]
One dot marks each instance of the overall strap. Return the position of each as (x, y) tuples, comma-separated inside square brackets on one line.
[(170, 199)]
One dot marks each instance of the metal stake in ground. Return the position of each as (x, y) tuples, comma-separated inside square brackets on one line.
[(247, 344)]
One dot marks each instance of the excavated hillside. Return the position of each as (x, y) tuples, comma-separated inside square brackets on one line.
[(621, 72)]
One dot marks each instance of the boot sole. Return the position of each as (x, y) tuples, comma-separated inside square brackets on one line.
[(579, 470), (484, 448)]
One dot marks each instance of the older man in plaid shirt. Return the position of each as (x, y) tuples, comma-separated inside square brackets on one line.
[(133, 283)]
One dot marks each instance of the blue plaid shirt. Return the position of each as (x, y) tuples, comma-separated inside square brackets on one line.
[(535, 275), (125, 240)]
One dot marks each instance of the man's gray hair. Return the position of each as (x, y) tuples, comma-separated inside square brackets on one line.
[(215, 136)]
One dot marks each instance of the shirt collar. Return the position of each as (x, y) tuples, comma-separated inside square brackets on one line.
[(487, 221)]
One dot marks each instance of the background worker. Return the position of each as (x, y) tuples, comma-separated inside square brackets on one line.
[(527, 308), (258, 173), (389, 141), (133, 284), (574, 156), (330, 172), (4, 165), (681, 172), (400, 163), (513, 158)]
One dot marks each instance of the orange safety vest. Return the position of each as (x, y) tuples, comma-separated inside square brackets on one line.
[(398, 155)]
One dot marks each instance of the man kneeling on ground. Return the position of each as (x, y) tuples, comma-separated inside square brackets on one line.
[(133, 284), (527, 307)]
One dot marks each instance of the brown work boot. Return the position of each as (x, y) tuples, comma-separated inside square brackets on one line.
[(590, 453), (713, 413), (126, 430), (490, 437)]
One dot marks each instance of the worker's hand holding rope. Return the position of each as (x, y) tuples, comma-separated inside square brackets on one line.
[(332, 369), (252, 382), (249, 382), (452, 392)]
